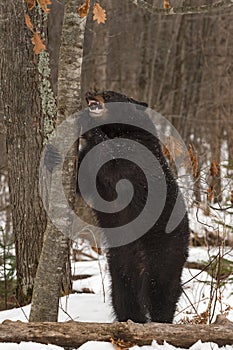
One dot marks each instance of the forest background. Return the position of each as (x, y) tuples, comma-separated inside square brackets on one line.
[(180, 65)]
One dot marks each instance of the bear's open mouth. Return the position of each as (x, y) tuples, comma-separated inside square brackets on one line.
[(95, 106)]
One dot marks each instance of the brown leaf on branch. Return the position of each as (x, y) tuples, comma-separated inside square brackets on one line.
[(83, 10), (38, 43), (28, 22), (193, 157), (44, 4), (166, 4), (214, 169), (99, 14), (166, 152), (232, 197), (210, 194), (173, 148), (31, 4)]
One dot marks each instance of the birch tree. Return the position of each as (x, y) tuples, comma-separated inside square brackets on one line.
[(54, 254)]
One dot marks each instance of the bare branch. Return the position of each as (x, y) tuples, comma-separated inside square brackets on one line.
[(183, 10)]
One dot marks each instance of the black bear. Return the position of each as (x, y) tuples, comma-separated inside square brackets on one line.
[(145, 270)]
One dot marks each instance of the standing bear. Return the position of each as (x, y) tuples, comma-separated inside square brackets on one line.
[(145, 258)]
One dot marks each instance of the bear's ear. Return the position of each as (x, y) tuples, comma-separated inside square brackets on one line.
[(143, 104)]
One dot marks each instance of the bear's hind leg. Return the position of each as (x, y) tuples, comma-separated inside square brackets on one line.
[(162, 304), (125, 303)]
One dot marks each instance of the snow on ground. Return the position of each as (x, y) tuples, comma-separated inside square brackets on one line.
[(95, 345), (89, 307), (154, 346), (28, 346), (197, 287)]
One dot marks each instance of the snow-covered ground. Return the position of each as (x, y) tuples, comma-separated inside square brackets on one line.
[(94, 345), (89, 307)]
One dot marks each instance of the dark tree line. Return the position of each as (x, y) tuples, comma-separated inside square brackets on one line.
[(180, 65)]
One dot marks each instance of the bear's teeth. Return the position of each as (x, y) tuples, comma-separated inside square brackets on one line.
[(93, 102)]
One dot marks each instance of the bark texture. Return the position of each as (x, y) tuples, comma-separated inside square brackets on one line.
[(24, 123), (55, 250), (74, 334)]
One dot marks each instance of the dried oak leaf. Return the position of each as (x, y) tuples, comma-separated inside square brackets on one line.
[(31, 4), (166, 152), (28, 22), (44, 4), (166, 4), (99, 14), (193, 157), (210, 194), (84, 9), (214, 169), (174, 146), (121, 344), (38, 43)]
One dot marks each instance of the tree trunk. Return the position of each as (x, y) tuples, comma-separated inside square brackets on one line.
[(55, 22), (55, 252), (74, 334), (24, 122)]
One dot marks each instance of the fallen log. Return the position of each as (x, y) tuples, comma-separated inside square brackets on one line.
[(74, 334)]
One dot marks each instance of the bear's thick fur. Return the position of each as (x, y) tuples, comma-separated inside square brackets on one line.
[(145, 273)]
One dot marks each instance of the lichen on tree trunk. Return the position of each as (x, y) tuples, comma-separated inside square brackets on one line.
[(55, 248)]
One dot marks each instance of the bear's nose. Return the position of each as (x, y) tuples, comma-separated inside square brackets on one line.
[(89, 95)]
